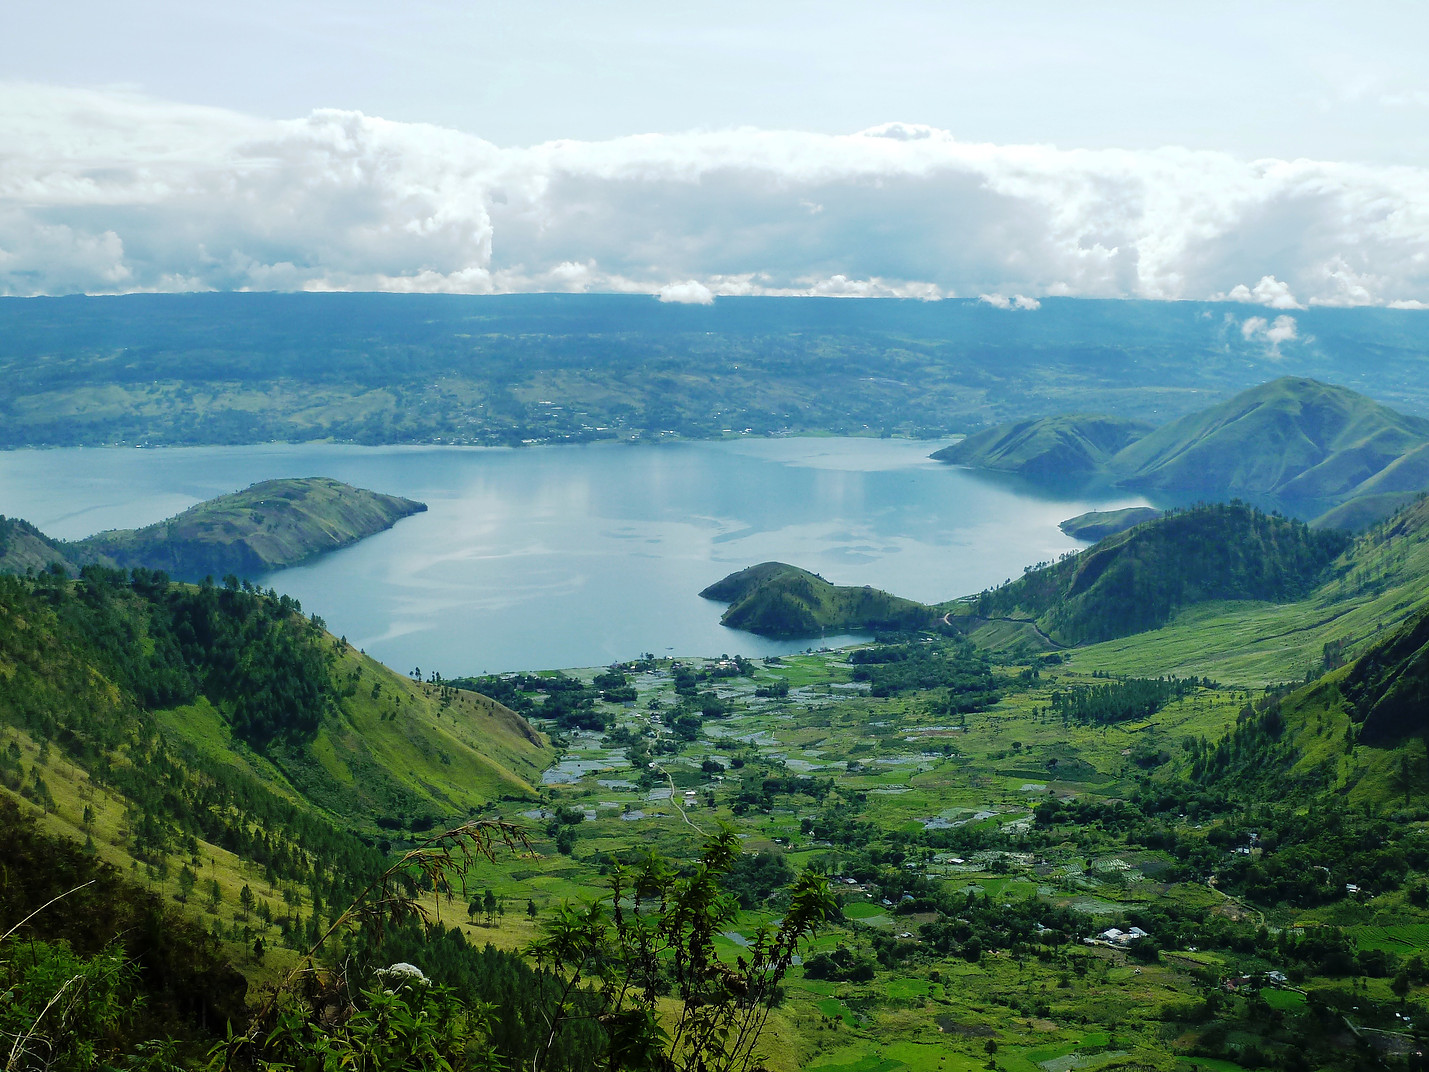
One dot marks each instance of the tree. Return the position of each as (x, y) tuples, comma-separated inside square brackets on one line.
[(1400, 984), (245, 901), (395, 1026), (531, 909), (215, 895), (610, 968), (187, 881), (654, 933), (488, 906)]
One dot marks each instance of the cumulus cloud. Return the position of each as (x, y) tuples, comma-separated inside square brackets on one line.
[(1282, 329), (1017, 301), (690, 292), (108, 191), (1269, 291)]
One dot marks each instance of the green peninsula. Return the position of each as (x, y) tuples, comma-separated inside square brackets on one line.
[(778, 600), (1099, 524), (269, 526), (1048, 448), (25, 549)]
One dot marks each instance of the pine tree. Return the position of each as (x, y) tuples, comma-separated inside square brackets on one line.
[(187, 881)]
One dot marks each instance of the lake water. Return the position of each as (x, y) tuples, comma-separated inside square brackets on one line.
[(583, 555)]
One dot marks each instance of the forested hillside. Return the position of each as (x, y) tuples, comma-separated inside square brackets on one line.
[(1137, 580), (240, 681)]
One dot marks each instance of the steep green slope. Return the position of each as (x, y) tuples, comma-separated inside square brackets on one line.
[(1138, 579), (1049, 448), (268, 526), (116, 800), (24, 548), (1362, 511), (243, 683), (1099, 524), (779, 600), (76, 904), (1379, 581), (1355, 732), (1292, 440), (1388, 686)]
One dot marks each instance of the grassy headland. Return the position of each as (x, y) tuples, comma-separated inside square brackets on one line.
[(1099, 524), (1047, 448), (25, 549), (271, 525)]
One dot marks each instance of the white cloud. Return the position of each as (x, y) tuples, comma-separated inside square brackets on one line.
[(690, 292), (1017, 301), (1282, 329), (1269, 291), (114, 191), (1342, 285)]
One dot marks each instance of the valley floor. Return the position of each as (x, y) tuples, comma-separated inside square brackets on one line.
[(912, 809)]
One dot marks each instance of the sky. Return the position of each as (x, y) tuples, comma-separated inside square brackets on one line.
[(1275, 154)]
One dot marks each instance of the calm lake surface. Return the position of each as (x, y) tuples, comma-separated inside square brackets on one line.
[(583, 555)]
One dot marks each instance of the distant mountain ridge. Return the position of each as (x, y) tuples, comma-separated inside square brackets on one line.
[(1308, 447), (1292, 439), (230, 368)]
